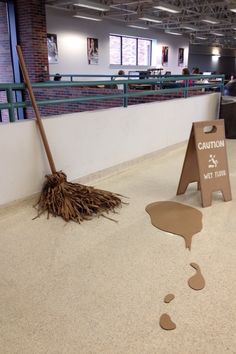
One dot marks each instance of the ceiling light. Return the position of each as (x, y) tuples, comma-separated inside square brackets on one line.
[(92, 5), (173, 32), (139, 27), (210, 20), (217, 34), (150, 19), (216, 51), (199, 37), (88, 17), (190, 27), (166, 7), (232, 7)]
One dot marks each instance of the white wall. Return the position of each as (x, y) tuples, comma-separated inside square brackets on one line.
[(72, 36), (84, 143)]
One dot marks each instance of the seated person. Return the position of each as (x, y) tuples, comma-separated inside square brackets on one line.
[(57, 77), (186, 72), (181, 83), (195, 71), (121, 74)]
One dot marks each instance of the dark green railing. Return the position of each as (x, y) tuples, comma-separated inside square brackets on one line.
[(159, 86)]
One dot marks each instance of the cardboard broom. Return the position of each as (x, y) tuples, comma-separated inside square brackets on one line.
[(71, 201)]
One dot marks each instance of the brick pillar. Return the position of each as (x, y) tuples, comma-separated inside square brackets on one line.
[(6, 73), (32, 36)]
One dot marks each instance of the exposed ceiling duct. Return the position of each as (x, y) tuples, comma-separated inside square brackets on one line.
[(201, 20)]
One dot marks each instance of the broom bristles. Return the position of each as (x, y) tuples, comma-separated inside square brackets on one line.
[(74, 201)]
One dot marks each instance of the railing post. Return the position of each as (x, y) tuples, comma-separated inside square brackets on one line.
[(222, 86), (161, 86), (186, 86), (10, 100), (125, 91)]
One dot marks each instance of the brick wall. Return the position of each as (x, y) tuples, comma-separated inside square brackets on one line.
[(6, 73), (75, 92), (32, 36)]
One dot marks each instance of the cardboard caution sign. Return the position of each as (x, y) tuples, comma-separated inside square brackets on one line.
[(206, 161)]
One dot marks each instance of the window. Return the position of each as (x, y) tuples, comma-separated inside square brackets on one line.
[(115, 50), (144, 51), (130, 51)]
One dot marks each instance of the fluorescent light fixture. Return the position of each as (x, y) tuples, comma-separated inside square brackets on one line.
[(88, 17), (139, 27), (190, 27), (92, 5), (215, 58), (210, 20), (217, 34), (199, 37), (215, 51), (150, 19), (166, 7), (232, 7), (173, 32)]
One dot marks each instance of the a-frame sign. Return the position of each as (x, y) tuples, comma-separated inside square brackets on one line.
[(206, 161)]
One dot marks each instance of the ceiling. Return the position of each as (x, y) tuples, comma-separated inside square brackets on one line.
[(192, 12)]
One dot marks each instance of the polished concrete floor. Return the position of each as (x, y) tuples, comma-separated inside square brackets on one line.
[(99, 287)]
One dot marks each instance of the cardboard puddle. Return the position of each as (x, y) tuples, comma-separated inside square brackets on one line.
[(176, 218), (166, 322), (196, 282), (181, 220), (168, 298)]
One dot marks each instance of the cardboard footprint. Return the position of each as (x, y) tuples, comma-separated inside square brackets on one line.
[(176, 218), (196, 282), (168, 298), (166, 322)]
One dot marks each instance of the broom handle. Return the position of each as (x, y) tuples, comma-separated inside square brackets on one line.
[(36, 110)]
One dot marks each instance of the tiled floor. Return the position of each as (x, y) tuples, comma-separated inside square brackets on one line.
[(99, 287)]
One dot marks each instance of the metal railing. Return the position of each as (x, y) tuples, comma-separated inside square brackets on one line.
[(160, 85)]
